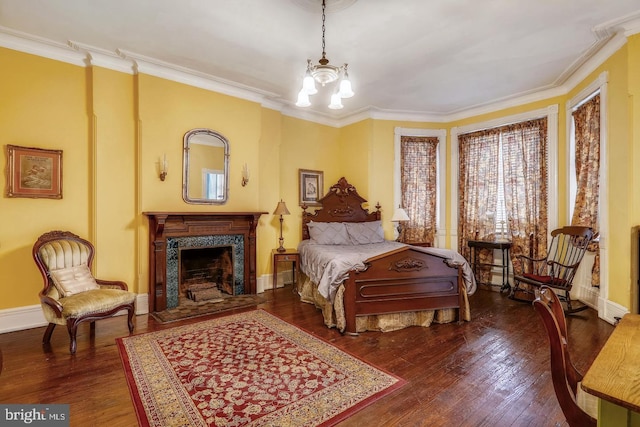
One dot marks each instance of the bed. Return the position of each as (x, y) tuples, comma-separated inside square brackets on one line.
[(363, 282)]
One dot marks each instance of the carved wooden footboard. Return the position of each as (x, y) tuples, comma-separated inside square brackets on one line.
[(408, 279), (404, 280)]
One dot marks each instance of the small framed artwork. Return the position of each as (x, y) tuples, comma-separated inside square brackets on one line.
[(311, 187), (34, 172)]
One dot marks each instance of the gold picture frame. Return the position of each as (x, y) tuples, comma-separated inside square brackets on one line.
[(311, 185), (34, 172)]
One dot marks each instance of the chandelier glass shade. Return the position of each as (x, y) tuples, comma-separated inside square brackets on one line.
[(323, 73)]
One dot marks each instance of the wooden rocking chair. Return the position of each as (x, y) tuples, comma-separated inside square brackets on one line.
[(557, 269)]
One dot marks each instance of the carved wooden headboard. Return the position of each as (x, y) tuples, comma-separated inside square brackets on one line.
[(342, 203)]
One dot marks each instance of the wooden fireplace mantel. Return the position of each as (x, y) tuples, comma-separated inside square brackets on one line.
[(185, 224)]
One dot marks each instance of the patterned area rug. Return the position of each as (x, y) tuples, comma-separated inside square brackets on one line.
[(246, 369), (188, 308)]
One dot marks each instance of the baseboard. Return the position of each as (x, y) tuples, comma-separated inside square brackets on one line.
[(611, 311), (265, 282), (18, 319), (28, 317), (142, 304)]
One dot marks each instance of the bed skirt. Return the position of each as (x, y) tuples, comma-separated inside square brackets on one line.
[(334, 316)]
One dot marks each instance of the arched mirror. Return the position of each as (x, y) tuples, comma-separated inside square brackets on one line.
[(206, 167)]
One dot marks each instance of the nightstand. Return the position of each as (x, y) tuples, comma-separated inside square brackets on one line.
[(290, 255)]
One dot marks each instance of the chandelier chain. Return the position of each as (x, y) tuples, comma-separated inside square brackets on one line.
[(323, 18)]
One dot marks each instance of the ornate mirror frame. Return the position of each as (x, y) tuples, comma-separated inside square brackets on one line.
[(205, 167)]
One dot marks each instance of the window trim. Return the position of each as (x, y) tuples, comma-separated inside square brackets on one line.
[(441, 134), (551, 113)]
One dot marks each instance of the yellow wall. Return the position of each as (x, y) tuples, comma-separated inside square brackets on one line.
[(305, 145), (633, 158), (112, 180), (114, 127), (44, 104)]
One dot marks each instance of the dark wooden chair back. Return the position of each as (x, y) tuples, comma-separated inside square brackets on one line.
[(558, 268), (564, 374)]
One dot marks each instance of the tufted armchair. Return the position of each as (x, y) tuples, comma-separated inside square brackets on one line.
[(71, 295)]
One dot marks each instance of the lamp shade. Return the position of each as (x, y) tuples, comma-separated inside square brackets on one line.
[(336, 102), (303, 99), (400, 215), (281, 209), (345, 88)]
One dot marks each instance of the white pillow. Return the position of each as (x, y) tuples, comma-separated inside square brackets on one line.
[(363, 233), (328, 233), (73, 280)]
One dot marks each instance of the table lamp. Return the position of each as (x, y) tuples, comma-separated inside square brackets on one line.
[(400, 216), (281, 209)]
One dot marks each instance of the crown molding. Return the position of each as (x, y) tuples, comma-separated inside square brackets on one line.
[(27, 43), (290, 110), (628, 24), (165, 70), (103, 58), (610, 37)]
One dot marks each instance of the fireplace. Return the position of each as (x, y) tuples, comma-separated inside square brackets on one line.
[(205, 273), (208, 238)]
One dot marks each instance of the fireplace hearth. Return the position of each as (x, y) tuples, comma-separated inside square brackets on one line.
[(172, 233)]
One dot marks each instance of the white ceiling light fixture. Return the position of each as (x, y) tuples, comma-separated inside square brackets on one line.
[(324, 73)]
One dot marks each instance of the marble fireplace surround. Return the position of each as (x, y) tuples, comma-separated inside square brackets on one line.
[(177, 227)]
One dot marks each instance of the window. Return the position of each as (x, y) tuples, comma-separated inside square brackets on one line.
[(584, 161), (518, 146), (503, 180), (419, 185), (551, 204), (584, 175)]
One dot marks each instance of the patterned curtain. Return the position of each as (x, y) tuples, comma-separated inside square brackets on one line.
[(524, 159), (586, 120), (478, 193), (418, 177)]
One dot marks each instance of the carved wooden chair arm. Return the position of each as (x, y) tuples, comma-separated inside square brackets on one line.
[(115, 284), (51, 302)]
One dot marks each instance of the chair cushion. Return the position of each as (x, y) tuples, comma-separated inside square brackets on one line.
[(546, 280), (72, 280), (95, 301)]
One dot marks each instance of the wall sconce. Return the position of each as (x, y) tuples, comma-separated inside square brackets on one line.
[(400, 216), (245, 175), (163, 167)]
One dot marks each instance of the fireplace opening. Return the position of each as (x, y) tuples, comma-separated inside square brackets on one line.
[(206, 273)]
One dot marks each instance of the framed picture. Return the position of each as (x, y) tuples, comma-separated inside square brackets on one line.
[(34, 172), (311, 187)]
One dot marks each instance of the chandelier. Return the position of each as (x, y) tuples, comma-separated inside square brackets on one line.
[(324, 73)]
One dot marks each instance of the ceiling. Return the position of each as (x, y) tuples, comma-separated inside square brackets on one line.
[(437, 57)]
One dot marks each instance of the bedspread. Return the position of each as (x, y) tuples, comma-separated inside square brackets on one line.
[(329, 265)]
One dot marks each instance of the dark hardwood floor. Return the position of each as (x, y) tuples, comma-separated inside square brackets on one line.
[(492, 371)]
